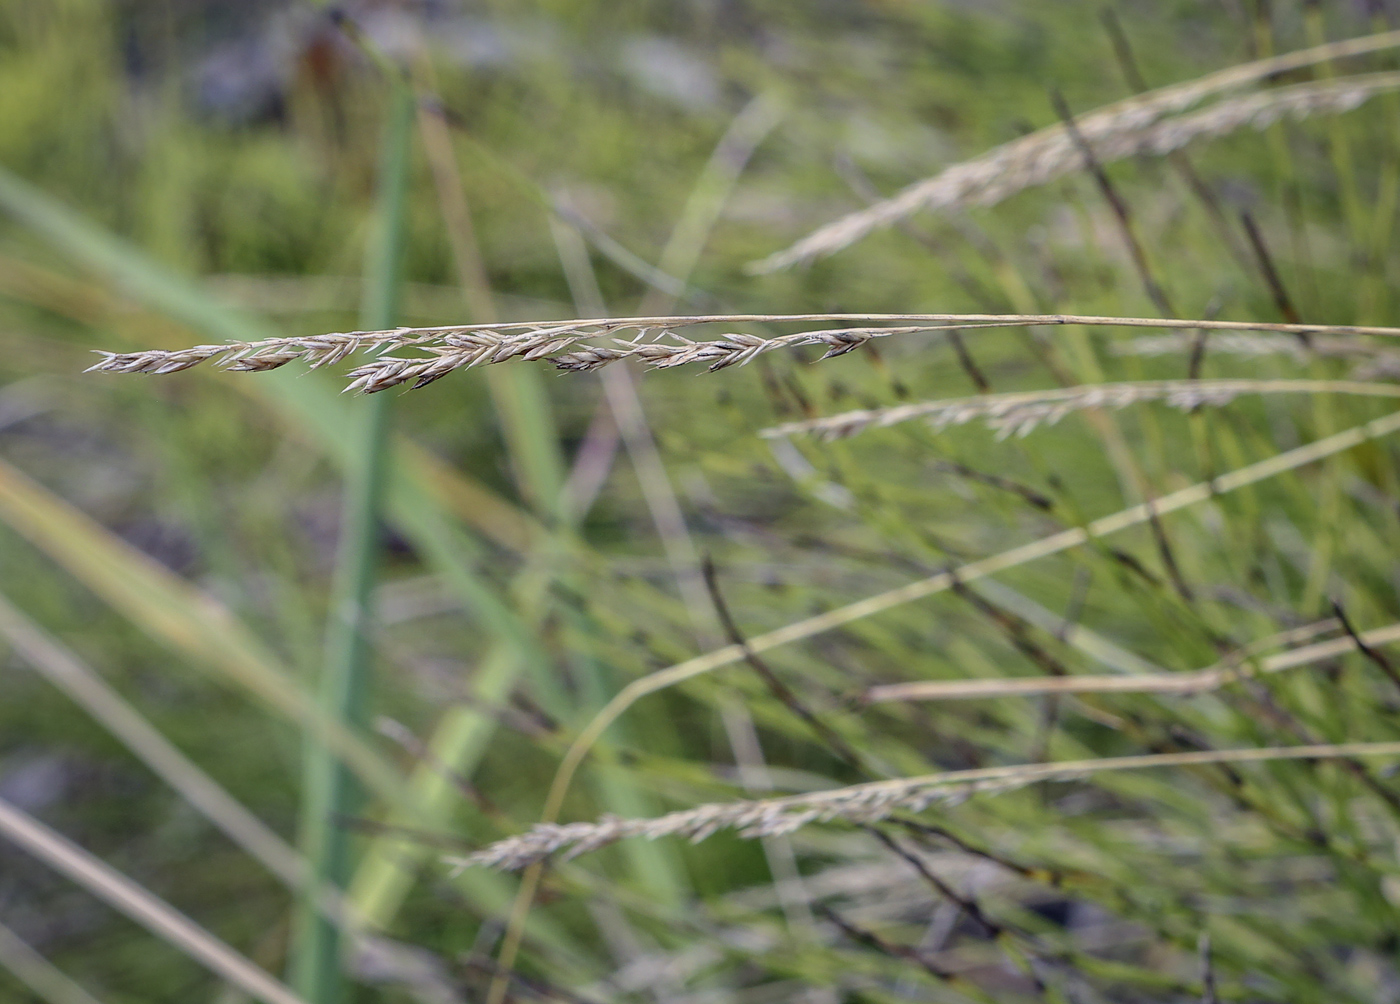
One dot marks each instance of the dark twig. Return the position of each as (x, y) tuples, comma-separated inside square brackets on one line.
[(1030, 495), (1265, 701), (1154, 291), (872, 940), (1208, 994), (1016, 629), (928, 832), (1178, 159), (1164, 549), (966, 903), (969, 365), (779, 689), (1282, 301), (1198, 342), (1379, 660)]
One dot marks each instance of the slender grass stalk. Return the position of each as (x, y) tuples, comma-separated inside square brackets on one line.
[(66, 671), (176, 614), (38, 973), (1194, 682), (152, 913), (345, 681)]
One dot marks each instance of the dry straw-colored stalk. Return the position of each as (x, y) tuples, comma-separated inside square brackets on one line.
[(1114, 131), (137, 903), (1194, 682), (864, 803), (1021, 413), (591, 343)]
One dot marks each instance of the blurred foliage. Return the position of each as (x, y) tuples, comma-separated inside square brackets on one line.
[(236, 146)]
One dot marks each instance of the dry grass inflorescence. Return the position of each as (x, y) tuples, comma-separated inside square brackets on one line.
[(945, 711), (656, 343)]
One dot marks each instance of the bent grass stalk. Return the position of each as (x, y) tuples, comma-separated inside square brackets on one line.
[(798, 630)]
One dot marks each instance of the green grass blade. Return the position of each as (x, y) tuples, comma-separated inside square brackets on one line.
[(136, 902), (175, 613), (345, 683), (65, 670), (422, 491)]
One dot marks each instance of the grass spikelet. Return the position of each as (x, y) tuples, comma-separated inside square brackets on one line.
[(1022, 413), (863, 803), (585, 344)]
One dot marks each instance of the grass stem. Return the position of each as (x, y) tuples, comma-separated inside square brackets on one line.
[(329, 793)]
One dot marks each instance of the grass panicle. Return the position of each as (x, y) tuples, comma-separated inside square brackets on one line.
[(655, 342)]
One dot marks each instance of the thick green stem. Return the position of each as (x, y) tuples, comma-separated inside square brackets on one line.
[(330, 793)]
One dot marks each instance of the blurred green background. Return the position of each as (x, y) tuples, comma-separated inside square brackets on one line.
[(187, 172)]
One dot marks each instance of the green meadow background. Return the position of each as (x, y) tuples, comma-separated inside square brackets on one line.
[(177, 173)]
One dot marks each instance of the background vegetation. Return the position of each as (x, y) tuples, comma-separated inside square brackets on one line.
[(179, 173)]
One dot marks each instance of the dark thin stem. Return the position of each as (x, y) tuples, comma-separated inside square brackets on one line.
[(1271, 276), (969, 365), (1198, 343), (1122, 51), (1016, 630), (872, 940), (1208, 994), (1030, 495), (779, 689), (966, 903), (1154, 291), (929, 831), (1200, 188), (1379, 660), (1264, 699), (1164, 549), (402, 735)]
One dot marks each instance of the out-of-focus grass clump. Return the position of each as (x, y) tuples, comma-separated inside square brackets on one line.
[(178, 174)]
